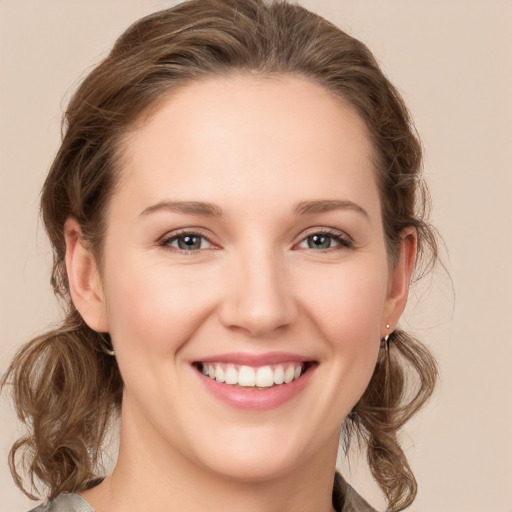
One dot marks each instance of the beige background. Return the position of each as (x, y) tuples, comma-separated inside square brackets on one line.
[(452, 61)]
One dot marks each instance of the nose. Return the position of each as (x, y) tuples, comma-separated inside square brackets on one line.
[(258, 296)]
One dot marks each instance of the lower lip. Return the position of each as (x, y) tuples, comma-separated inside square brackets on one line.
[(256, 398)]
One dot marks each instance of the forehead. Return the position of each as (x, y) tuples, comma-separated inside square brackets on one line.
[(251, 134)]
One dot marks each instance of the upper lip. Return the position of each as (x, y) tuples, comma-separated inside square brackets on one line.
[(248, 359)]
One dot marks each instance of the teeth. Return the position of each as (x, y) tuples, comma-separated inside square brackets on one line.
[(279, 375), (289, 374), (220, 376), (231, 375), (264, 377), (247, 376)]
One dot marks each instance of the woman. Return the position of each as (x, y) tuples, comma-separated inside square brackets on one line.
[(236, 214)]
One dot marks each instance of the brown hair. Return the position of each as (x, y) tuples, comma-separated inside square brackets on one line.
[(66, 388)]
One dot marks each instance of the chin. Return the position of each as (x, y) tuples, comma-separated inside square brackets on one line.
[(258, 454), (255, 468)]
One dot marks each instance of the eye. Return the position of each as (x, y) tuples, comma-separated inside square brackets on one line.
[(187, 242), (324, 240)]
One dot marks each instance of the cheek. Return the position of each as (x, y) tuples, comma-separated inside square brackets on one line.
[(156, 308), (347, 305), (347, 302)]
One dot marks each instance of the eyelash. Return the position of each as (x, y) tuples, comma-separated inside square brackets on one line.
[(340, 238), (166, 241), (344, 241)]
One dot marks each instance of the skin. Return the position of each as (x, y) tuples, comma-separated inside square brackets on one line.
[(255, 148)]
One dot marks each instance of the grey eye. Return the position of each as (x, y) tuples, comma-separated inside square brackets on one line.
[(186, 242), (319, 241), (189, 242)]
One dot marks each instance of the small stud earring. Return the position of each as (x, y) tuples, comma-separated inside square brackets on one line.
[(386, 338), (106, 345)]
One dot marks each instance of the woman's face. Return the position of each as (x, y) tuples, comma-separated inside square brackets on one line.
[(245, 241)]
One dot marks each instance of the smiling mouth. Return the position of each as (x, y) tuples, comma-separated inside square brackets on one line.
[(249, 377)]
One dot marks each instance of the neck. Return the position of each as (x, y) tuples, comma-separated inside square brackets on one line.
[(150, 475)]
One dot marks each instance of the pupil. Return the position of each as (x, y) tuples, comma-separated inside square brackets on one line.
[(319, 242), (189, 242)]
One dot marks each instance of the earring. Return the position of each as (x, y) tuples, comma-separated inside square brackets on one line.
[(106, 345), (385, 339)]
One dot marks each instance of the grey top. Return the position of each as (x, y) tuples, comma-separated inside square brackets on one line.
[(344, 499), (68, 502)]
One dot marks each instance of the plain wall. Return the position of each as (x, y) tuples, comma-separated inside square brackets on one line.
[(452, 62)]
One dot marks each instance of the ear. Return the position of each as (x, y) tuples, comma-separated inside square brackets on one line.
[(84, 280), (400, 278)]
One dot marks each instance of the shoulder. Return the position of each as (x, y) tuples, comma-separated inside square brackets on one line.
[(68, 502), (345, 499)]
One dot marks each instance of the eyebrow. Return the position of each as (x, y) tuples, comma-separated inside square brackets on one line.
[(186, 207), (203, 209), (322, 206)]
